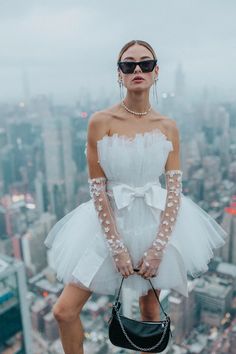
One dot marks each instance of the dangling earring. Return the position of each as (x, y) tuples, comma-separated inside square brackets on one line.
[(121, 88), (155, 90)]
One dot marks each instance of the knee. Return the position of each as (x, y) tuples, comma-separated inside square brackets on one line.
[(63, 313)]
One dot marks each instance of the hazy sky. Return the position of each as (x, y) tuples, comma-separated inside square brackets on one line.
[(65, 46)]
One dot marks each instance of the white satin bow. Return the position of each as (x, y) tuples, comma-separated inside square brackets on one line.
[(153, 194)]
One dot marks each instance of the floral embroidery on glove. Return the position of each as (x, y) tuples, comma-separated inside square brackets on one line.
[(98, 193), (155, 253)]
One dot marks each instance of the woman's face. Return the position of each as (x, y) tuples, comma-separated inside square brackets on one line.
[(138, 52)]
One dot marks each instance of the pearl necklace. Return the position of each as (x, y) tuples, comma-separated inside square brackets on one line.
[(136, 113)]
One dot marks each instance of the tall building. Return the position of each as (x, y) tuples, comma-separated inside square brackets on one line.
[(53, 158), (40, 193), (60, 167), (25, 86), (214, 296), (39, 309), (69, 166), (228, 251), (179, 88), (33, 249), (183, 313), (14, 311), (50, 327)]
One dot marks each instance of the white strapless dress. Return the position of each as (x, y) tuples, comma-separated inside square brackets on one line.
[(133, 167)]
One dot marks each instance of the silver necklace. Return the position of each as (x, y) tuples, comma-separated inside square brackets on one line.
[(136, 113)]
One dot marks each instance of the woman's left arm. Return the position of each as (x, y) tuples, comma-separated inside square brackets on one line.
[(173, 174)]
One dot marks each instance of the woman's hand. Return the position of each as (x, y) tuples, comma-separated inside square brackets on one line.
[(124, 263), (149, 264)]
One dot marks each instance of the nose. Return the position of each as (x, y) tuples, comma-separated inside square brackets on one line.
[(137, 69)]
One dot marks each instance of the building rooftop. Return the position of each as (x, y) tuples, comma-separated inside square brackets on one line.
[(227, 268), (213, 286), (3, 265), (9, 265), (175, 299)]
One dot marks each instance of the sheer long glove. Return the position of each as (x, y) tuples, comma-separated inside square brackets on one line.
[(119, 252), (153, 256)]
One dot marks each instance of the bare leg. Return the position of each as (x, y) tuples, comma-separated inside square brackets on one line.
[(66, 311), (149, 307)]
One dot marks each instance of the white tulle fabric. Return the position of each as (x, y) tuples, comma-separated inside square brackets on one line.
[(133, 167)]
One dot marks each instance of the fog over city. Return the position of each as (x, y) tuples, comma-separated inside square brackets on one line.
[(62, 48)]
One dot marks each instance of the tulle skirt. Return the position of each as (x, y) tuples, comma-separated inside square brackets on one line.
[(80, 255)]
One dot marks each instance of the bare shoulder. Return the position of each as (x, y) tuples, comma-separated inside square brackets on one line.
[(97, 118), (100, 122), (171, 128), (103, 116), (98, 126)]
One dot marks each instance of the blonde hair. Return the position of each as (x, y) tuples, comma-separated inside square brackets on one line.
[(136, 41)]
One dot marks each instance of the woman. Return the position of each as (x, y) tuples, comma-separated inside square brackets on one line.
[(130, 221)]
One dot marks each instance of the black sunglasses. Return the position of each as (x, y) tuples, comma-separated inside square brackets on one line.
[(128, 67)]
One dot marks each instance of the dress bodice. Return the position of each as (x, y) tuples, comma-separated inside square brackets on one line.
[(133, 167), (134, 161)]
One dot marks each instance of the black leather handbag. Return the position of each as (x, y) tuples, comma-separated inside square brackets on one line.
[(145, 336)]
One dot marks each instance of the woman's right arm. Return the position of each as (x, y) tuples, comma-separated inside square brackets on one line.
[(97, 181)]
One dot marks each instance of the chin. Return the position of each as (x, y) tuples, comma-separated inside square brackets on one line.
[(138, 89)]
